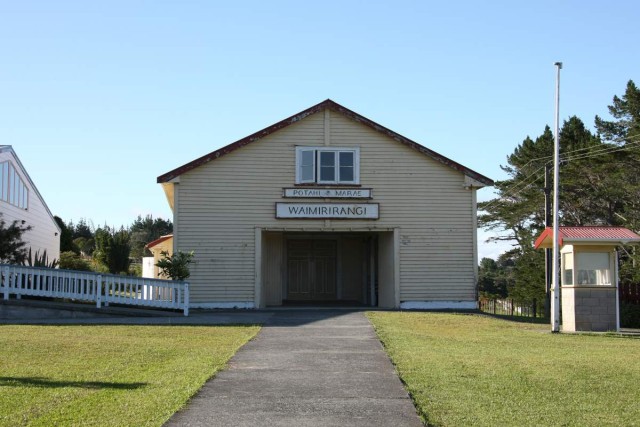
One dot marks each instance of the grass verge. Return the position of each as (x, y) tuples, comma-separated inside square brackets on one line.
[(482, 371), (108, 375)]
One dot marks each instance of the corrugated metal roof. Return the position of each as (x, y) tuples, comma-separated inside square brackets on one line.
[(598, 233), (591, 234)]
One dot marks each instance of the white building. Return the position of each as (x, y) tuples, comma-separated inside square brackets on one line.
[(20, 201), (327, 206)]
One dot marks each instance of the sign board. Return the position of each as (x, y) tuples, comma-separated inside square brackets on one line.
[(328, 210), (330, 193)]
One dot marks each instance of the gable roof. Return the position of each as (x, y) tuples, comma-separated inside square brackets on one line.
[(588, 235), (333, 106), (9, 148)]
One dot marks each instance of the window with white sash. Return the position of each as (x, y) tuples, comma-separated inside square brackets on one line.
[(327, 165), (593, 268), (12, 188)]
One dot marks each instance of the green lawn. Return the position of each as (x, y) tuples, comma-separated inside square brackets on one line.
[(476, 370), (108, 375)]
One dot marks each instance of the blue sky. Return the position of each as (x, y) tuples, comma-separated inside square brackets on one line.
[(99, 98)]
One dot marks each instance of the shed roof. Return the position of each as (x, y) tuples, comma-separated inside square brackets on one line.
[(587, 235), (333, 106)]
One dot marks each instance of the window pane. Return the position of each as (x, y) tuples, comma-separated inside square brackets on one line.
[(5, 186), (346, 159), (568, 277), (327, 166), (2, 181), (12, 185), (567, 268), (16, 187), (594, 277), (595, 260), (593, 269), (306, 166), (346, 173), (346, 167)]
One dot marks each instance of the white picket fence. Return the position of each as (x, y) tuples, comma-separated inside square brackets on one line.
[(88, 286)]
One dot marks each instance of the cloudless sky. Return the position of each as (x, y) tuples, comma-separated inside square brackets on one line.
[(100, 98)]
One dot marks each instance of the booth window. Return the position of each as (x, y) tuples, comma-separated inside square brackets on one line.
[(593, 269), (327, 165), (12, 188), (567, 269)]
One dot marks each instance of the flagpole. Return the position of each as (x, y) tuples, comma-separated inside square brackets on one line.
[(555, 292)]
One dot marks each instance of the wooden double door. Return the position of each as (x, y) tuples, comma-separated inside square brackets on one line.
[(311, 269)]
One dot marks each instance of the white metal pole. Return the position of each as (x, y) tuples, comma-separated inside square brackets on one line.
[(616, 277), (555, 292)]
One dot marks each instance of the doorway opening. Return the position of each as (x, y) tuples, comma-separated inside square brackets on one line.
[(325, 269)]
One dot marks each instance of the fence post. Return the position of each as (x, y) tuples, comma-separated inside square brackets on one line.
[(17, 283), (185, 300), (535, 307), (98, 284), (6, 283)]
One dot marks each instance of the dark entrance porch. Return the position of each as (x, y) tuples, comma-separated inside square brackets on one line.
[(332, 269)]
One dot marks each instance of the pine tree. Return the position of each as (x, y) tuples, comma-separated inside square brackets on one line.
[(113, 249)]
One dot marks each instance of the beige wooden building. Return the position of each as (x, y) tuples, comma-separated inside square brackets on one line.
[(327, 207), (156, 247)]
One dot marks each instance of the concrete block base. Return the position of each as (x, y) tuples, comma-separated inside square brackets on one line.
[(589, 308)]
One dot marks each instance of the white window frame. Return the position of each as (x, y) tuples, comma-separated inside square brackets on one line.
[(316, 165), (587, 269), (13, 189), (299, 151)]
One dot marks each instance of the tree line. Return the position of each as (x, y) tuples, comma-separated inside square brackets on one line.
[(104, 249), (599, 185), (109, 249)]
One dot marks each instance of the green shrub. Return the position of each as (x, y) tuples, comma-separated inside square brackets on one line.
[(135, 269), (176, 266), (40, 260), (98, 267), (69, 260)]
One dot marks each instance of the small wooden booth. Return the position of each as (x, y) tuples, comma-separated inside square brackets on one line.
[(589, 275)]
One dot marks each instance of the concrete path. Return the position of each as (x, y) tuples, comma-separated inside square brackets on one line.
[(305, 368)]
